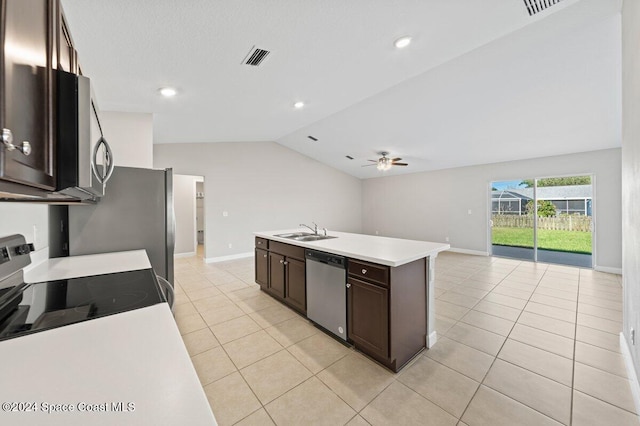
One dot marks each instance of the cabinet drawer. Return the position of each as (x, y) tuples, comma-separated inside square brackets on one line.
[(378, 274), (262, 243), (287, 249)]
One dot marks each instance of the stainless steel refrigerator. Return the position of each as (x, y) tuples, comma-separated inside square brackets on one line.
[(135, 213)]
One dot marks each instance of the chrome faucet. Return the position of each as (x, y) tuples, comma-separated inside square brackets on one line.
[(315, 229)]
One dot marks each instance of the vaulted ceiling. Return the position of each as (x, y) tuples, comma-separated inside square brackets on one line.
[(482, 81)]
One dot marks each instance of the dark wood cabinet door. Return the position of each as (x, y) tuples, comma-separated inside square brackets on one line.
[(262, 268), (368, 317), (276, 275), (296, 294), (27, 93)]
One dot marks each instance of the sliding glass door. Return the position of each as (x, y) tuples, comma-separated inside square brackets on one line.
[(548, 220)]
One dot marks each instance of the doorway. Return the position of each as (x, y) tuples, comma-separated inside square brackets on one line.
[(543, 219), (200, 217), (189, 215)]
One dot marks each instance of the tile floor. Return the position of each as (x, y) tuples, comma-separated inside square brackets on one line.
[(519, 344)]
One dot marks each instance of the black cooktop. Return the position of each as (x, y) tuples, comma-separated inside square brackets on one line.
[(29, 308)]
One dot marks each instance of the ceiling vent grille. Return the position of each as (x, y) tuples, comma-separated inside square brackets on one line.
[(256, 56), (537, 6)]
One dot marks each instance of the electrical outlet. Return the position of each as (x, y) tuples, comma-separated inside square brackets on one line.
[(469, 211), (230, 245), (446, 239), (225, 213), (377, 232)]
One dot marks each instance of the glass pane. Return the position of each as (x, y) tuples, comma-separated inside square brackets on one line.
[(564, 220), (511, 221)]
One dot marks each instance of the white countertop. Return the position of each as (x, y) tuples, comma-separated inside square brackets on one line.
[(134, 357), (382, 250), (92, 264)]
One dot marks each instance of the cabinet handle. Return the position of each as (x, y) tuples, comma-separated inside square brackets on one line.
[(348, 285), (285, 262), (7, 140), (264, 255), (281, 261), (364, 271), (259, 242)]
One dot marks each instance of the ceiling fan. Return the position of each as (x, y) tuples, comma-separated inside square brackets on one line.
[(385, 163)]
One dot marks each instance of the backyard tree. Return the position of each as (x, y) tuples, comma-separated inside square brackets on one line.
[(561, 181), (545, 208)]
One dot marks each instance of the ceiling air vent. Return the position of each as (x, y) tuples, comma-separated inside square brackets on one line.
[(255, 56), (537, 6)]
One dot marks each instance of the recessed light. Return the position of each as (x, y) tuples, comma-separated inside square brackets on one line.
[(403, 42), (298, 105), (168, 92)]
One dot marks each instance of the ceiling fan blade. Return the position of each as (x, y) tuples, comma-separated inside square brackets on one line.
[(373, 161), (399, 164), (396, 159), (367, 165)]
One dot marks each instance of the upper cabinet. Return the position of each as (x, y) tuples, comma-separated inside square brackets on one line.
[(28, 36)]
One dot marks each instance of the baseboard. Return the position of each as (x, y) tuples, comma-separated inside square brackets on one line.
[(230, 257), (631, 372), (432, 338), (608, 270), (465, 251), (181, 255)]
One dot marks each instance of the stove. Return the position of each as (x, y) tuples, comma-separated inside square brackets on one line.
[(29, 308)]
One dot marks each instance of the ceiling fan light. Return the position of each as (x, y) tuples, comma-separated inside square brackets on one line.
[(168, 92), (402, 42)]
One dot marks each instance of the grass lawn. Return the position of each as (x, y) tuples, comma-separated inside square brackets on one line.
[(569, 241)]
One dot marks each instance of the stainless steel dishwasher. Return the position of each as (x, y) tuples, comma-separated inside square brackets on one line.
[(327, 292)]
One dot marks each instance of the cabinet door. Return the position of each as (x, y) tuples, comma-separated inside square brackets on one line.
[(262, 268), (368, 317), (296, 294), (276, 275), (26, 90)]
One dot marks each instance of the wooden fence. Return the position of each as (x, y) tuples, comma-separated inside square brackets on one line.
[(560, 223)]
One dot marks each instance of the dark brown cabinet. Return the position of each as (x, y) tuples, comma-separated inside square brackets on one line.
[(282, 275), (368, 317), (262, 268), (277, 275), (296, 291), (386, 310), (27, 91)]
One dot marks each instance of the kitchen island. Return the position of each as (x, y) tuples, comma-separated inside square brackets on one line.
[(389, 285)]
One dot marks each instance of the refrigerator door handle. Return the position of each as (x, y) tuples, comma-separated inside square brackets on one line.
[(167, 290)]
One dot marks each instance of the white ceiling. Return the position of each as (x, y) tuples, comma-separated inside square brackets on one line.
[(481, 82)]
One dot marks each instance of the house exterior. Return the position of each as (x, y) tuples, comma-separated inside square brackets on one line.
[(573, 199)]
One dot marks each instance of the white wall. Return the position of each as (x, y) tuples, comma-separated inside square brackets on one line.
[(434, 205), (262, 186), (21, 218), (184, 205), (631, 173), (130, 135)]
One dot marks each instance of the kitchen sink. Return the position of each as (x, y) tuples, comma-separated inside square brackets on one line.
[(312, 237), (294, 235), (304, 236)]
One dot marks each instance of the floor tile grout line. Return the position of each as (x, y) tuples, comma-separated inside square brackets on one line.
[(489, 369), (458, 321), (496, 357)]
